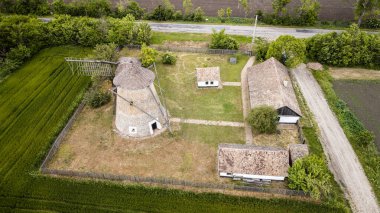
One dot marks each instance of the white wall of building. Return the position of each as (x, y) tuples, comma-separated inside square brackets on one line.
[(250, 176), (288, 119), (208, 83)]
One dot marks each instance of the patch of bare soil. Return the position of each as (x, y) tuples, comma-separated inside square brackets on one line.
[(285, 135), (354, 73), (92, 145)]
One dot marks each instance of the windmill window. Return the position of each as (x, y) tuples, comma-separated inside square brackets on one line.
[(211, 82), (206, 82), (132, 130), (131, 103)]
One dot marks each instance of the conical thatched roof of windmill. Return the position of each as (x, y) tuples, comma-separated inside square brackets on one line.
[(131, 75)]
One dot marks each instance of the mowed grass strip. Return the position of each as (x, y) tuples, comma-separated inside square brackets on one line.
[(185, 100), (49, 106)]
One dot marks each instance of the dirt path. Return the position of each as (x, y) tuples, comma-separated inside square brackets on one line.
[(232, 84), (354, 73), (207, 122), (245, 100), (342, 159)]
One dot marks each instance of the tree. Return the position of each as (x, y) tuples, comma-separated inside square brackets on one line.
[(122, 30), (221, 14), (105, 52), (134, 9), (144, 33), (363, 7), (198, 14), (263, 119), (279, 6), (260, 48), (309, 11), (244, 3), (310, 174), (288, 49), (187, 7), (228, 13), (147, 55), (219, 40)]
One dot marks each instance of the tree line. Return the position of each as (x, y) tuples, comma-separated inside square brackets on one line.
[(366, 11), (23, 36)]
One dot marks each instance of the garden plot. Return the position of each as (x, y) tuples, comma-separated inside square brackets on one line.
[(188, 154), (354, 73), (363, 98)]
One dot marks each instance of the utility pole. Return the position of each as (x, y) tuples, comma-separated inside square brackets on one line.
[(254, 30)]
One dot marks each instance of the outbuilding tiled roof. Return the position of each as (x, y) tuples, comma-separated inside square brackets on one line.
[(208, 74)]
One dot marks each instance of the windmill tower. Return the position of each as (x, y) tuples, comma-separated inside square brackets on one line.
[(139, 112)]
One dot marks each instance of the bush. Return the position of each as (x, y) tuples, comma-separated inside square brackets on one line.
[(198, 15), (147, 55), (144, 33), (96, 98), (308, 12), (19, 53), (287, 49), (263, 119), (105, 52), (260, 48), (134, 9), (161, 13), (310, 174), (219, 40), (350, 48), (168, 58)]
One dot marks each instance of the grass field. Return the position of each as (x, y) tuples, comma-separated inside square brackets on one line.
[(35, 103), (184, 100), (187, 154)]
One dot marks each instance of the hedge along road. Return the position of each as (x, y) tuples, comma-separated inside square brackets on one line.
[(342, 158), (270, 33)]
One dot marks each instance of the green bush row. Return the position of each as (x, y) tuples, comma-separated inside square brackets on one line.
[(23, 36)]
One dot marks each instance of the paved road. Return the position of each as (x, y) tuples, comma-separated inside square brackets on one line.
[(207, 122), (342, 158), (245, 100), (270, 33)]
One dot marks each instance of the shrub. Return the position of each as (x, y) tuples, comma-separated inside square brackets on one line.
[(144, 33), (105, 52), (308, 12), (199, 15), (96, 98), (178, 15), (263, 119), (260, 48), (350, 48), (219, 40), (287, 49), (168, 58), (221, 13), (19, 53), (310, 174), (161, 13), (147, 55), (134, 9)]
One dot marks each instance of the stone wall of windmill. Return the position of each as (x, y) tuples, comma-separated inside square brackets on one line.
[(139, 112)]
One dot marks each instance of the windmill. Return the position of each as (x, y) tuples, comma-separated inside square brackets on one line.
[(139, 111)]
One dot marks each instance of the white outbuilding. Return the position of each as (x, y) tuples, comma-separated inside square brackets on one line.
[(139, 112), (269, 84), (208, 77)]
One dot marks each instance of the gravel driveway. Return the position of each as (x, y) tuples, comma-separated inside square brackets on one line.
[(342, 159)]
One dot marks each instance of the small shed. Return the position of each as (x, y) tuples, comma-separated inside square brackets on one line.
[(269, 84), (298, 151), (252, 162), (208, 77)]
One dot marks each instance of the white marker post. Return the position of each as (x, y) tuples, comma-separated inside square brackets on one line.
[(254, 30)]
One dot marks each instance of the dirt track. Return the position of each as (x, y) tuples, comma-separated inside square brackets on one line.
[(342, 159)]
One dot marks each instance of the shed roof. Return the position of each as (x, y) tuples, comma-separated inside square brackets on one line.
[(298, 151), (254, 160), (131, 75), (270, 84), (208, 74)]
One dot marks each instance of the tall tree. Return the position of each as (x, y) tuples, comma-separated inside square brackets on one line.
[(187, 7), (279, 6), (364, 7)]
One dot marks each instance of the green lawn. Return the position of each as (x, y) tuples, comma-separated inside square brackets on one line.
[(185, 100), (161, 37), (36, 101)]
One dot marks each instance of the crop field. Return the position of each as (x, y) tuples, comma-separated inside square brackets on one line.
[(35, 103), (363, 98)]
